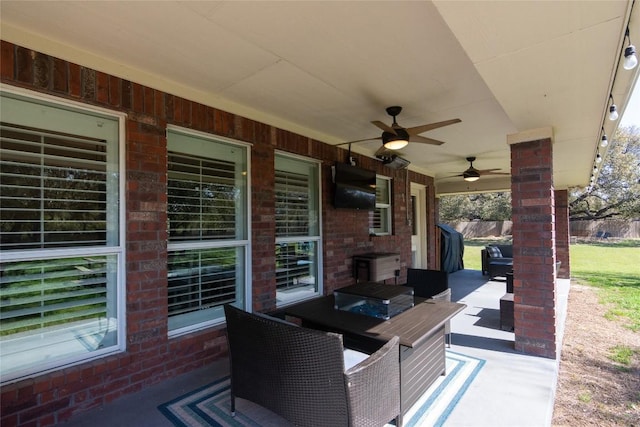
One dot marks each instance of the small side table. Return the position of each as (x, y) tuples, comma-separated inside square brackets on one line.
[(509, 277), (506, 312)]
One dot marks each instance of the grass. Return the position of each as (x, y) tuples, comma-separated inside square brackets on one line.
[(585, 397), (472, 248), (622, 354), (612, 267)]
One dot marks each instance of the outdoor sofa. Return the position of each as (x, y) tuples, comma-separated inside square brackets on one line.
[(497, 260), (300, 373)]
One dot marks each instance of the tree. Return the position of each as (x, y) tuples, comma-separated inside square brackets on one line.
[(616, 192), (485, 206)]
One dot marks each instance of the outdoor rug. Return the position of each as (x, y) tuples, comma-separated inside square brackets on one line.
[(210, 405)]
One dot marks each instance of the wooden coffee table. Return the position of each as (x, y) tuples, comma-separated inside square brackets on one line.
[(420, 329)]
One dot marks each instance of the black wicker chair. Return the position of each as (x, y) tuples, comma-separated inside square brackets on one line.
[(431, 284), (299, 373)]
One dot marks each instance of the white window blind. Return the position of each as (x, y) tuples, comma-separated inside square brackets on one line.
[(297, 228), (380, 217), (54, 189), (201, 279), (207, 213), (292, 204), (61, 255), (202, 202)]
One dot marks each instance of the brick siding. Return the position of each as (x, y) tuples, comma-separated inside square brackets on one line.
[(150, 356), (534, 240)]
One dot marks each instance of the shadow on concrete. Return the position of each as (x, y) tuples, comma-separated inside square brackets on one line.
[(488, 318), (484, 343), (465, 282)]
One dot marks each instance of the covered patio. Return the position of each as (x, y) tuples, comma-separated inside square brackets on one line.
[(510, 389), (162, 159)]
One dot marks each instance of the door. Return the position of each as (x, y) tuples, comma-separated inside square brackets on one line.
[(419, 226)]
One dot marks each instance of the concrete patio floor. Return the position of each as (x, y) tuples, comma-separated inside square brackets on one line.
[(511, 390)]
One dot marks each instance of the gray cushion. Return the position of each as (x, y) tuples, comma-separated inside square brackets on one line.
[(494, 252)]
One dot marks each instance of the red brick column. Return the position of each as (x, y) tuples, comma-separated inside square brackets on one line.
[(562, 233), (534, 255)]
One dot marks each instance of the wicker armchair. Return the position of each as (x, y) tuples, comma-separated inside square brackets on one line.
[(299, 373), (431, 284)]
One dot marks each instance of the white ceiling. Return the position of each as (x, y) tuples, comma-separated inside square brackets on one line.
[(327, 69)]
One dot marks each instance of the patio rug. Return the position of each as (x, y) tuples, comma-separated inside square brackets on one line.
[(210, 405)]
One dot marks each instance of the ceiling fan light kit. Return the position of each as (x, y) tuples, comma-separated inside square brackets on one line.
[(394, 137), (394, 142), (471, 176)]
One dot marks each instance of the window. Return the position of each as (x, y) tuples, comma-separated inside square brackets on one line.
[(380, 218), (298, 240), (60, 236), (208, 228)]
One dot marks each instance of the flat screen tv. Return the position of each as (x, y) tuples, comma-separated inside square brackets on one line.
[(355, 188)]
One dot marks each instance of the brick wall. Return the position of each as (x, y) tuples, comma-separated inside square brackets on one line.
[(150, 356), (534, 257)]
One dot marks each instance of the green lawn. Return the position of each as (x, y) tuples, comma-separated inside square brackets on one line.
[(614, 268), (472, 248)]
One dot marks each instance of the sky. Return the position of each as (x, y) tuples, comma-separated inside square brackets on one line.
[(631, 115)]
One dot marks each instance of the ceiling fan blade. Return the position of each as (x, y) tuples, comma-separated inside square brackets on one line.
[(384, 127), (490, 172), (359, 140), (425, 140), (451, 176), (419, 129)]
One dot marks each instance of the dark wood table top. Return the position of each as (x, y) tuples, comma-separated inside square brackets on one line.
[(412, 326)]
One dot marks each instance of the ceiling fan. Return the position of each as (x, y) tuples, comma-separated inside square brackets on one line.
[(395, 137), (473, 174)]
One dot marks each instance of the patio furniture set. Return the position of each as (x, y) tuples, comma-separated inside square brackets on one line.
[(299, 372)]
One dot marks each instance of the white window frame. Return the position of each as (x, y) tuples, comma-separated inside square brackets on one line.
[(387, 208), (118, 250), (282, 299), (213, 244)]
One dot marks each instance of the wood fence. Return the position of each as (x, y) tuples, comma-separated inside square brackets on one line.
[(602, 229)]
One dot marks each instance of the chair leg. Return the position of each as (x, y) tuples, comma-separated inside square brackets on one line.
[(233, 405)]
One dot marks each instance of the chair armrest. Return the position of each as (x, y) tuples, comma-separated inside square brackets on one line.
[(443, 296), (373, 387)]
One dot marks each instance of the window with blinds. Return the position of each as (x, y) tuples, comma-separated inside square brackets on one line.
[(380, 217), (202, 202), (297, 228), (292, 204), (54, 189), (61, 253), (201, 279), (208, 223)]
